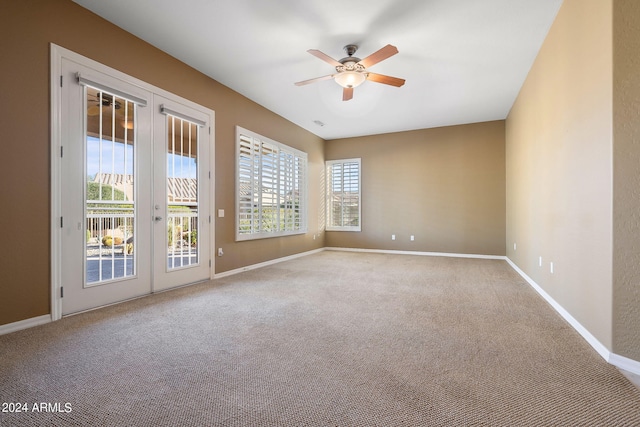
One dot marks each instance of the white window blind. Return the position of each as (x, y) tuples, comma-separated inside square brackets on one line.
[(343, 195), (271, 193)]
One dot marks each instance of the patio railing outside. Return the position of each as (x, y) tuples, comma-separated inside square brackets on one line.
[(110, 242), (182, 236)]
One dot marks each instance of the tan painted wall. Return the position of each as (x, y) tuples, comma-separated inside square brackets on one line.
[(27, 28), (446, 186), (558, 176), (626, 178), (559, 156)]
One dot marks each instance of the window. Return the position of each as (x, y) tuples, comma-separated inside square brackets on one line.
[(271, 188), (343, 195)]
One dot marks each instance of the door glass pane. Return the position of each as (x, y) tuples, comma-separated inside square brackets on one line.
[(110, 194), (182, 193)]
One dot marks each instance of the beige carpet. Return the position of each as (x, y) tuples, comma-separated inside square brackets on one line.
[(331, 339)]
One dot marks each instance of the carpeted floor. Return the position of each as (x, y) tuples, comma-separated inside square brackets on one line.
[(331, 339)]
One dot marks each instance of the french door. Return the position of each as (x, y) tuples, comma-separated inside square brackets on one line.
[(134, 189), (181, 249)]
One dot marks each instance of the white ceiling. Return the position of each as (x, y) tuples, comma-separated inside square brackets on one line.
[(464, 61)]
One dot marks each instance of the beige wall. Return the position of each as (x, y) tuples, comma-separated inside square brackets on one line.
[(446, 186), (27, 28), (567, 156), (626, 178), (558, 163)]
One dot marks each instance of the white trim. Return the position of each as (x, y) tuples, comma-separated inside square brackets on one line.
[(625, 363), (266, 263), (593, 341), (616, 360), (24, 324), (393, 252), (328, 165), (56, 54), (212, 193)]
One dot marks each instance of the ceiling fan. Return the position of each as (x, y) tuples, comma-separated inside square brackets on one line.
[(352, 71), (105, 101)]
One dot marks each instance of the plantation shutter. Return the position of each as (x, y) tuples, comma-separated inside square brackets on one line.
[(343, 195), (271, 188)]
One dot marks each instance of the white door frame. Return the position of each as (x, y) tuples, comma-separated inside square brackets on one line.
[(57, 55)]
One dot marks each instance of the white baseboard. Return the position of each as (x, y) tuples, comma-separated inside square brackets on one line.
[(442, 254), (621, 362), (625, 363), (264, 264), (618, 361), (24, 324), (593, 341)]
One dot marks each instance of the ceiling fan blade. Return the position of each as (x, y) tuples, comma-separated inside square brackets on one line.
[(378, 56), (387, 80), (324, 57), (347, 93), (317, 79)]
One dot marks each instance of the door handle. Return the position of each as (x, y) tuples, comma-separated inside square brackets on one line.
[(157, 218)]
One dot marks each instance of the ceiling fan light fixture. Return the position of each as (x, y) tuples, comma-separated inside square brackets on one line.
[(351, 72), (350, 79)]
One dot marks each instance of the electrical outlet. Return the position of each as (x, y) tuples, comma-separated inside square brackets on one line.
[(220, 253), (540, 262), (413, 238), (551, 267), (514, 247), (393, 237)]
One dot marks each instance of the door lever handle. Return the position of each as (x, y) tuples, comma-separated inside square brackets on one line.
[(157, 218)]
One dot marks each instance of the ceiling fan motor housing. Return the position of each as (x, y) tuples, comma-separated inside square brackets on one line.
[(351, 49), (350, 63)]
